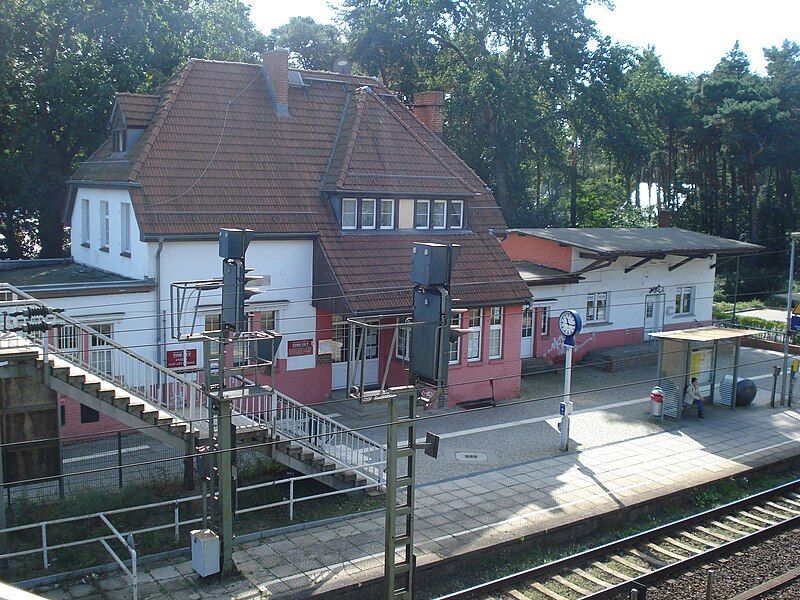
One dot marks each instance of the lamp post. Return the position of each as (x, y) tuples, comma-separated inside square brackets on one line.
[(794, 237), (736, 283)]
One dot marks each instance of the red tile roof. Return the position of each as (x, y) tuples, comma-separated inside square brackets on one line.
[(137, 109), (216, 154)]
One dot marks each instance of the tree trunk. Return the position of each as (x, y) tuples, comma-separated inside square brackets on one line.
[(500, 168), (751, 197), (573, 186), (51, 224), (14, 249)]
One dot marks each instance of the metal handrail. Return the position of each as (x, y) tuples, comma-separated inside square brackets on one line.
[(157, 376), (46, 548), (129, 544), (286, 415)]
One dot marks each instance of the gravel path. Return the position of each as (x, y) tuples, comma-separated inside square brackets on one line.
[(740, 572)]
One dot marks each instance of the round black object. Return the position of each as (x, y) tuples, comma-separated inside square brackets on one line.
[(745, 392)]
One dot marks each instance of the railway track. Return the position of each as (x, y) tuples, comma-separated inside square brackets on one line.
[(615, 568)]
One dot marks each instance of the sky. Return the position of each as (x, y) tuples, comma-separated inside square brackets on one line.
[(689, 35)]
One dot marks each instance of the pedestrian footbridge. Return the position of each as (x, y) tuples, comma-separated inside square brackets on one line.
[(173, 409)]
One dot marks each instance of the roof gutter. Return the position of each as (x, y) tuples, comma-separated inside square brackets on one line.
[(101, 183), (206, 237)]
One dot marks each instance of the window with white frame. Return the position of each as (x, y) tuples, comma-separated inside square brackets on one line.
[(100, 351), (86, 219), (455, 347), (69, 340), (475, 316), (105, 224), (119, 139), (370, 349), (349, 213), (340, 337), (597, 307), (422, 214), (683, 300), (527, 323), (268, 320), (403, 349), (544, 326), (456, 214), (387, 213), (438, 217), (125, 227), (496, 332), (368, 213)]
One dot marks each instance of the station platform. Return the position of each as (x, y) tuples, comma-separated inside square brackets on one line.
[(462, 517)]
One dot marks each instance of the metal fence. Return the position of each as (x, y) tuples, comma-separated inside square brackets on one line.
[(122, 450), (770, 335)]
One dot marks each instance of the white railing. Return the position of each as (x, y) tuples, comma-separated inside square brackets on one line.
[(314, 430), (176, 522), (98, 354), (185, 400)]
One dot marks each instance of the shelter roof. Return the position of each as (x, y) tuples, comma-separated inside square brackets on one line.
[(642, 241), (704, 334), (535, 274)]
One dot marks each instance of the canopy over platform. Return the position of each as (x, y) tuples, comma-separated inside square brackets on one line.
[(704, 334), (711, 354)]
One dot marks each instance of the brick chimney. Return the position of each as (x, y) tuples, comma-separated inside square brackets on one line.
[(276, 64), (429, 108), (664, 218)]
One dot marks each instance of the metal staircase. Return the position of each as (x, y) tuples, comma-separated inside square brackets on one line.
[(140, 393)]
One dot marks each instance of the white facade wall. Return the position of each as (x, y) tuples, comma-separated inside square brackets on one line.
[(135, 266), (286, 265), (627, 291), (131, 315)]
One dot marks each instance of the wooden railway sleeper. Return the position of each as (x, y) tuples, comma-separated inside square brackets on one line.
[(589, 577), (613, 572), (631, 565), (546, 591), (572, 586)]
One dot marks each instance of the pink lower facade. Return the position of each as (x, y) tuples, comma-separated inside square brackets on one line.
[(485, 364)]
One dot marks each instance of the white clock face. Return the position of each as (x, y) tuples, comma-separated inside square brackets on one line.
[(567, 323)]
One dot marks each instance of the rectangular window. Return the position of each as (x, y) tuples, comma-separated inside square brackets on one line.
[(268, 321), (85, 221), (89, 415), (105, 224), (68, 340), (62, 412), (387, 214), (100, 352), (125, 227), (422, 214), (368, 213), (496, 332), (213, 322), (597, 307), (545, 324), (349, 213), (340, 336), (119, 140), (438, 217), (527, 323), (455, 347), (403, 350), (683, 300), (474, 336), (456, 214)]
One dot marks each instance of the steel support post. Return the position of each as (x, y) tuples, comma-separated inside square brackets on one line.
[(567, 402), (225, 475), (399, 552), (789, 308)]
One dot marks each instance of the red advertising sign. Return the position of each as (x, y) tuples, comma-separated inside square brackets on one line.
[(181, 358), (300, 347)]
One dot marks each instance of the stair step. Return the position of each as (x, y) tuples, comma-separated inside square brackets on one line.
[(92, 387), (307, 456), (76, 380), (60, 372), (107, 395)]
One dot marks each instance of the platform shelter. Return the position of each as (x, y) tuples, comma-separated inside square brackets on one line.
[(709, 353)]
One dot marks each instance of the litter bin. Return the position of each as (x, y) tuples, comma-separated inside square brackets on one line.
[(656, 402)]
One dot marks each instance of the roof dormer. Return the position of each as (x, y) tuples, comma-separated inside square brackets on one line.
[(130, 116)]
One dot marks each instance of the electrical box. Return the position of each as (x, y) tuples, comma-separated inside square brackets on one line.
[(205, 552), (431, 263), (430, 337), (233, 242)]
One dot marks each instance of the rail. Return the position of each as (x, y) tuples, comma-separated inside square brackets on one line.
[(131, 547), (177, 521), (285, 415), (98, 354), (665, 558)]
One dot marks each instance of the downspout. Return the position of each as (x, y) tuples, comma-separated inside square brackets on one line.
[(159, 329)]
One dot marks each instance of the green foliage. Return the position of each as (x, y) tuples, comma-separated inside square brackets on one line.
[(312, 45)]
